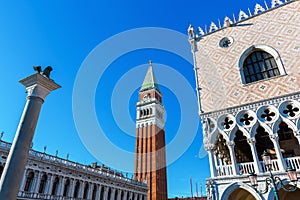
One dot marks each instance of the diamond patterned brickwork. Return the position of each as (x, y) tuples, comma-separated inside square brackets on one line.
[(219, 75)]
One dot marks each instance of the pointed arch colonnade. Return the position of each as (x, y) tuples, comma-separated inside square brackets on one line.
[(236, 141)]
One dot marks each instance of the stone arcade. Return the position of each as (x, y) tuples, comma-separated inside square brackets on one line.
[(247, 77), (52, 177)]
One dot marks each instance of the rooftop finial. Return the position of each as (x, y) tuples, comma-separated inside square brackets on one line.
[(150, 63)]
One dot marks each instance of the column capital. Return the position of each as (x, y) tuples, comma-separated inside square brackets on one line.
[(297, 133), (274, 137), (230, 143), (38, 85), (251, 140), (209, 147)]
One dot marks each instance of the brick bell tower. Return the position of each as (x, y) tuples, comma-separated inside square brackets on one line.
[(150, 152)]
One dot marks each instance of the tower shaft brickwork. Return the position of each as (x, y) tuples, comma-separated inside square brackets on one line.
[(150, 153)]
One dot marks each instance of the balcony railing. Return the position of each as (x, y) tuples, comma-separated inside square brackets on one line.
[(247, 168), (224, 170), (294, 162), (274, 166), (30, 195)]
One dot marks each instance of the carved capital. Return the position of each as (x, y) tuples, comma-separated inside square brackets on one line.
[(209, 147), (230, 143), (274, 137), (251, 140), (38, 86), (297, 133)]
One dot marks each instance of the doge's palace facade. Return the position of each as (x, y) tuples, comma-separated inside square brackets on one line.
[(248, 82)]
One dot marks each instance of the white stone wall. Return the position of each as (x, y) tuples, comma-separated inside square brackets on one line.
[(218, 68)]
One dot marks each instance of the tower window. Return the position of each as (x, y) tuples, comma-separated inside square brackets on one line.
[(259, 65)]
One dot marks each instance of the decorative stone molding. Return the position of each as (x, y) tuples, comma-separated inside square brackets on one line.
[(251, 140), (230, 143), (268, 113), (38, 85), (274, 137), (242, 16)]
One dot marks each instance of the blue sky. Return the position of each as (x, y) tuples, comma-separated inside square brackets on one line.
[(63, 33)]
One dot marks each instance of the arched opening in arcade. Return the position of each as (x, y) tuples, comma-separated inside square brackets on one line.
[(94, 192), (284, 195), (42, 186), (263, 142), (242, 150), (241, 194), (85, 191), (222, 156), (66, 188), (289, 145)]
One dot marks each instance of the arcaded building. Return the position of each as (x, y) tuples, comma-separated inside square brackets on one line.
[(51, 177), (247, 71)]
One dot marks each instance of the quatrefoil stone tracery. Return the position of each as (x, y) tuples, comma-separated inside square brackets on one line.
[(227, 123), (291, 110), (268, 115), (246, 119)]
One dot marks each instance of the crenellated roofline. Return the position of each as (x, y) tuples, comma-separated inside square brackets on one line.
[(243, 16)]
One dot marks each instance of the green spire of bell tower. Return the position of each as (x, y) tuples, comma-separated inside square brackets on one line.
[(150, 80)]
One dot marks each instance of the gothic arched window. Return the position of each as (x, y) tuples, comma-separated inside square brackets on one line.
[(259, 65), (260, 62)]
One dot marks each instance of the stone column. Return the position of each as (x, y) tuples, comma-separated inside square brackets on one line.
[(37, 87), (90, 191), (230, 145), (81, 189), (119, 194), (106, 193), (61, 186), (212, 164), (37, 181), (280, 160), (98, 197), (23, 180), (257, 165), (47, 183), (50, 184), (113, 194), (72, 187), (125, 195)]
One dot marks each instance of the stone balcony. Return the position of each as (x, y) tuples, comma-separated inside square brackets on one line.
[(247, 168)]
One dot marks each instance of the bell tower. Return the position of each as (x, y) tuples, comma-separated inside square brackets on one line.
[(150, 152)]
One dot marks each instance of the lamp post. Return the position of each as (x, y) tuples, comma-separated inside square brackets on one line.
[(272, 180)]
